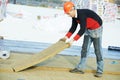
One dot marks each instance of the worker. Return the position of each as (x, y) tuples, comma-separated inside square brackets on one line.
[(91, 27)]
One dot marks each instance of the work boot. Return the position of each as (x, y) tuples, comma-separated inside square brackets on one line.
[(98, 74), (75, 70)]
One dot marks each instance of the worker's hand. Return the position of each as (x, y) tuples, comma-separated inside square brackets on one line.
[(70, 42), (63, 39)]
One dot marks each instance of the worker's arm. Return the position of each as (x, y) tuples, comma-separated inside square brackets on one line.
[(71, 30), (83, 25)]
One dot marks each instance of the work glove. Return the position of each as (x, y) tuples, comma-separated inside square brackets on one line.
[(63, 39)]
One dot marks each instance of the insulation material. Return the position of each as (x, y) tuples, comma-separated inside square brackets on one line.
[(40, 57)]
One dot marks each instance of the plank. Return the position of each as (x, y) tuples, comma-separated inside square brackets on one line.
[(40, 57)]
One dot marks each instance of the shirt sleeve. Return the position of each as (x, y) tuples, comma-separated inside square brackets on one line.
[(83, 24), (72, 29)]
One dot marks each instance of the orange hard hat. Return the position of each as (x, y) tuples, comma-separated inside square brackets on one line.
[(68, 6)]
